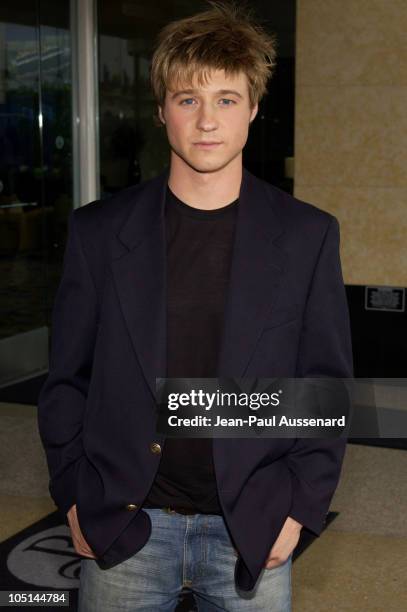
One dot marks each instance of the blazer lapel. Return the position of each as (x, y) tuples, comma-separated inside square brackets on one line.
[(255, 276), (140, 277), (256, 272)]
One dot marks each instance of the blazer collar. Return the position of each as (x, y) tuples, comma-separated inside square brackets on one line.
[(255, 209)]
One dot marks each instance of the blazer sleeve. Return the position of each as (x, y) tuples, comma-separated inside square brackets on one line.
[(325, 351), (62, 399)]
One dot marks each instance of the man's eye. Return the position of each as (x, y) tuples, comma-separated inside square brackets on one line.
[(228, 102), (187, 101)]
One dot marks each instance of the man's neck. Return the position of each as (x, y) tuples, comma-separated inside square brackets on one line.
[(206, 190)]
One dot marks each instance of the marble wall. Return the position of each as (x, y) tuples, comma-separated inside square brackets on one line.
[(351, 129)]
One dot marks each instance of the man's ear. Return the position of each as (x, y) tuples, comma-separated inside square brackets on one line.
[(160, 115), (254, 112)]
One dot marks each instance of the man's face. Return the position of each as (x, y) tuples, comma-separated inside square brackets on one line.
[(207, 127)]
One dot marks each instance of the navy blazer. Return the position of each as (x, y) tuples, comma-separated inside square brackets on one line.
[(286, 315)]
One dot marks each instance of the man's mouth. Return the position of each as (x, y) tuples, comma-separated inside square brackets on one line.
[(212, 144)]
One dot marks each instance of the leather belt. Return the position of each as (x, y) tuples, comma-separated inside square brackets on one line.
[(178, 510)]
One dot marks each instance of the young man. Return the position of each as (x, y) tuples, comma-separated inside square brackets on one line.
[(204, 271)]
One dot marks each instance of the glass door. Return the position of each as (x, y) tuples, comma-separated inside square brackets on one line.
[(35, 177)]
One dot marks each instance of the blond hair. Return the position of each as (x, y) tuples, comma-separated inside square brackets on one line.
[(223, 37)]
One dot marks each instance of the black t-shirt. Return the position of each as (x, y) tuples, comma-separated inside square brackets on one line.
[(199, 252)]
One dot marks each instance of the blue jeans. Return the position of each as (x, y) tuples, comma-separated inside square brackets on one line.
[(192, 552)]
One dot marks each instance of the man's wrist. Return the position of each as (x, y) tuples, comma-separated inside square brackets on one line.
[(295, 523), (71, 509)]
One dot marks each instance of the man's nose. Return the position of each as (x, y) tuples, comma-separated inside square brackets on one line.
[(206, 119)]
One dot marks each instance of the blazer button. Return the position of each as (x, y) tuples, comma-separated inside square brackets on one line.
[(131, 507), (155, 448)]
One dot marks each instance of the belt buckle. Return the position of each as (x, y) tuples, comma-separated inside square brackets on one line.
[(169, 510)]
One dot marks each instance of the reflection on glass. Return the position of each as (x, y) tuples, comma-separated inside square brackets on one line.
[(35, 161)]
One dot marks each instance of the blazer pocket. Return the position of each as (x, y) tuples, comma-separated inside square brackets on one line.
[(282, 317)]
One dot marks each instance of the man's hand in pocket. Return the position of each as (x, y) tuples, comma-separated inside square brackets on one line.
[(285, 543), (79, 542)]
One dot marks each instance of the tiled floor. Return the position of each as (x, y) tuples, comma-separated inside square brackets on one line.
[(24, 494), (351, 572), (358, 564)]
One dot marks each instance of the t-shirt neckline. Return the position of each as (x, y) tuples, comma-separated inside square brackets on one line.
[(184, 208)]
